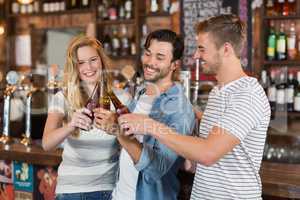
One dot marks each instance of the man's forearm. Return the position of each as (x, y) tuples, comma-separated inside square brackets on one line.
[(132, 146)]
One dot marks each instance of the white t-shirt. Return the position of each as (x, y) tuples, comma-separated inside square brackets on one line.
[(126, 185), (241, 108), (89, 161)]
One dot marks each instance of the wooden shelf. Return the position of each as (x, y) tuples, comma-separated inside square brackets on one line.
[(115, 22), (290, 63), (280, 180), (41, 14), (158, 14), (282, 17), (33, 154)]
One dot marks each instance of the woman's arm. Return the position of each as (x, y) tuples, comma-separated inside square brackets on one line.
[(55, 132)]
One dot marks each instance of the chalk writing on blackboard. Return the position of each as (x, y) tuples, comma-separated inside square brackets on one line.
[(198, 10)]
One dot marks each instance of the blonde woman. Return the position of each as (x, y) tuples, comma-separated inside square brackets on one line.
[(90, 156)]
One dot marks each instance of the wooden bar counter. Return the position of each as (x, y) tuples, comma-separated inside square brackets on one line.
[(281, 180), (278, 179), (33, 154)]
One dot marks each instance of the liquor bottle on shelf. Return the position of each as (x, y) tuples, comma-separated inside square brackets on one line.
[(103, 10), (107, 42), (115, 43), (270, 9), (285, 8), (272, 93), (125, 46), (271, 42), (290, 92), (279, 6), (121, 12), (154, 6), (144, 35), (292, 7), (113, 11), (281, 44), (280, 94), (165, 5), (85, 4), (264, 81), (297, 94), (15, 7), (128, 9), (291, 42)]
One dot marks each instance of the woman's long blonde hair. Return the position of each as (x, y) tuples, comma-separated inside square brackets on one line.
[(76, 97)]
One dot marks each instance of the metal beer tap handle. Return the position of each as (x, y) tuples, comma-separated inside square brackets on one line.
[(26, 137), (12, 78)]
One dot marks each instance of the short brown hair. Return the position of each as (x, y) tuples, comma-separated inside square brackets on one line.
[(225, 28)]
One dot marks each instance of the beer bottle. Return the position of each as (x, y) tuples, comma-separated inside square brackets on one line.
[(104, 101), (92, 101), (119, 106)]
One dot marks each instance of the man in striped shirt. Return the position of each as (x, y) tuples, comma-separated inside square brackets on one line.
[(233, 127)]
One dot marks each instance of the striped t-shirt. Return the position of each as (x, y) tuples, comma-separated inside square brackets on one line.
[(242, 109)]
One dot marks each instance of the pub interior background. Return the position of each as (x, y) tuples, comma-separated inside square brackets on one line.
[(33, 39)]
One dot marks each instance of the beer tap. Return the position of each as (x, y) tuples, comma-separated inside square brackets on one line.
[(196, 84), (26, 137), (12, 78)]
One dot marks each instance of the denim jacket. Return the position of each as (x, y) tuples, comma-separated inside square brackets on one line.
[(158, 165)]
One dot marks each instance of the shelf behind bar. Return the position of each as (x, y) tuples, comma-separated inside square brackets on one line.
[(115, 22), (289, 63), (33, 154), (68, 12), (282, 17)]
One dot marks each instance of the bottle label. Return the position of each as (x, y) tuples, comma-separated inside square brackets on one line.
[(291, 43), (297, 103), (290, 95), (271, 52), (281, 45), (280, 96), (272, 94)]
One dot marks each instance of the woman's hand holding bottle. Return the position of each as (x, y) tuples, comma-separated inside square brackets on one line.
[(106, 120), (81, 118)]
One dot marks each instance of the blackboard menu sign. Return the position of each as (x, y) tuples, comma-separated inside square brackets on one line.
[(194, 11)]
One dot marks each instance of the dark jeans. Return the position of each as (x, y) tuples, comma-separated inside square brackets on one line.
[(100, 195)]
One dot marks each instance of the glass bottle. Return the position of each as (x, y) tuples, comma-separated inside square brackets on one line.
[(115, 43), (92, 101), (270, 10), (119, 106), (272, 93), (290, 91), (125, 46), (297, 94), (292, 7), (291, 42), (104, 101), (281, 94), (281, 44), (271, 42)]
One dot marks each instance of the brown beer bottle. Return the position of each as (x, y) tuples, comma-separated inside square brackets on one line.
[(120, 108), (104, 100), (92, 101)]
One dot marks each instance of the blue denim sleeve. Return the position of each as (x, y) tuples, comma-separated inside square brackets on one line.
[(157, 159)]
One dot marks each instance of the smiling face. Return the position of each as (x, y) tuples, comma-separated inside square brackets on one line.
[(157, 62), (88, 64), (208, 53)]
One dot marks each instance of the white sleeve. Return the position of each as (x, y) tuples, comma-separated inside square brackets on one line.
[(57, 103), (243, 113)]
